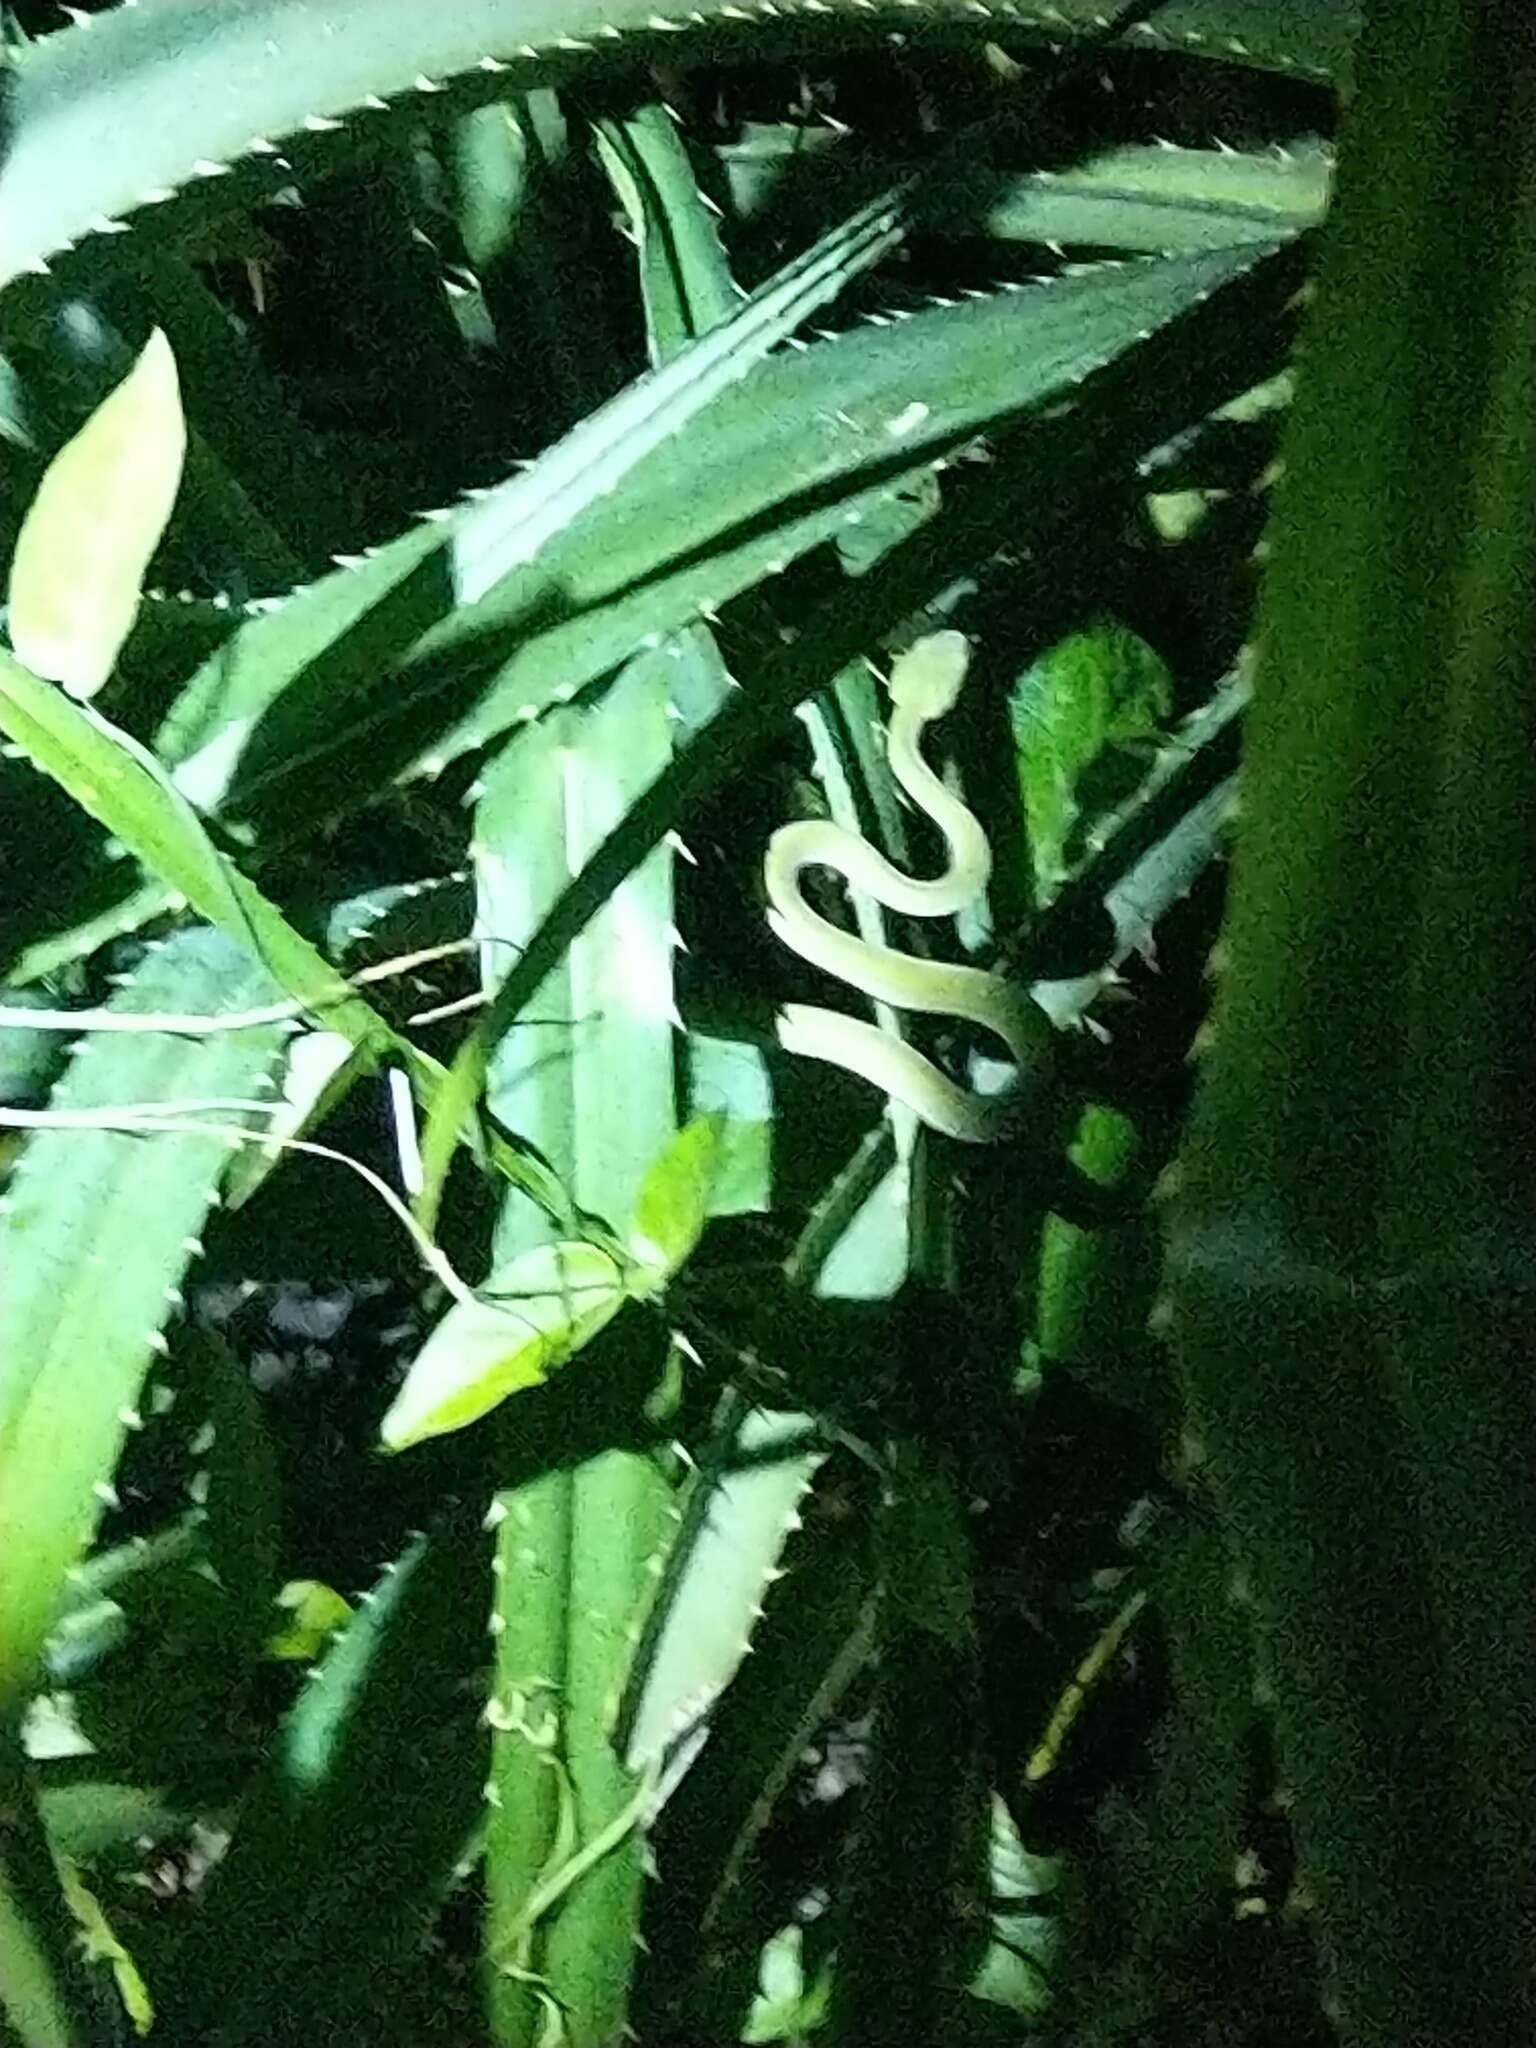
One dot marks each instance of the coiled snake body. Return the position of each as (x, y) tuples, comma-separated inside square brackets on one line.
[(924, 684)]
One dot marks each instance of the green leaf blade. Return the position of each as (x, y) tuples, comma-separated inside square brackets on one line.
[(97, 1228), (97, 518), (538, 1312)]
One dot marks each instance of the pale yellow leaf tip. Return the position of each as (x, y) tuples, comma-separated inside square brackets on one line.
[(90, 533)]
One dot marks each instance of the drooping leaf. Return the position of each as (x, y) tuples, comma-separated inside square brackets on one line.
[(537, 1313)]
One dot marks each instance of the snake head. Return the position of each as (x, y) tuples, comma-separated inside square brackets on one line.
[(926, 678)]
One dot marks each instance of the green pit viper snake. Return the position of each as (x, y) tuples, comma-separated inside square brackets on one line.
[(925, 683)]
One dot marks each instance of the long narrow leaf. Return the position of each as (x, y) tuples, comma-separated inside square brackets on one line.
[(1349, 1254), (98, 1227)]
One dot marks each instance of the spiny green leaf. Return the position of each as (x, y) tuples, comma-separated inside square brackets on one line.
[(97, 1227), (753, 1476), (125, 793), (143, 99), (365, 1802), (1155, 198), (574, 1545)]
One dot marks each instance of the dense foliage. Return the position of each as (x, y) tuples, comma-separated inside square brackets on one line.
[(470, 476)]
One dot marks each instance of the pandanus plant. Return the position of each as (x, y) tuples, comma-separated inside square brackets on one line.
[(746, 1320)]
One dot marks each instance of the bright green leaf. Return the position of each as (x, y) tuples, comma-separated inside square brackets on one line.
[(1082, 716), (315, 1611), (674, 1201), (538, 1312), (98, 516)]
